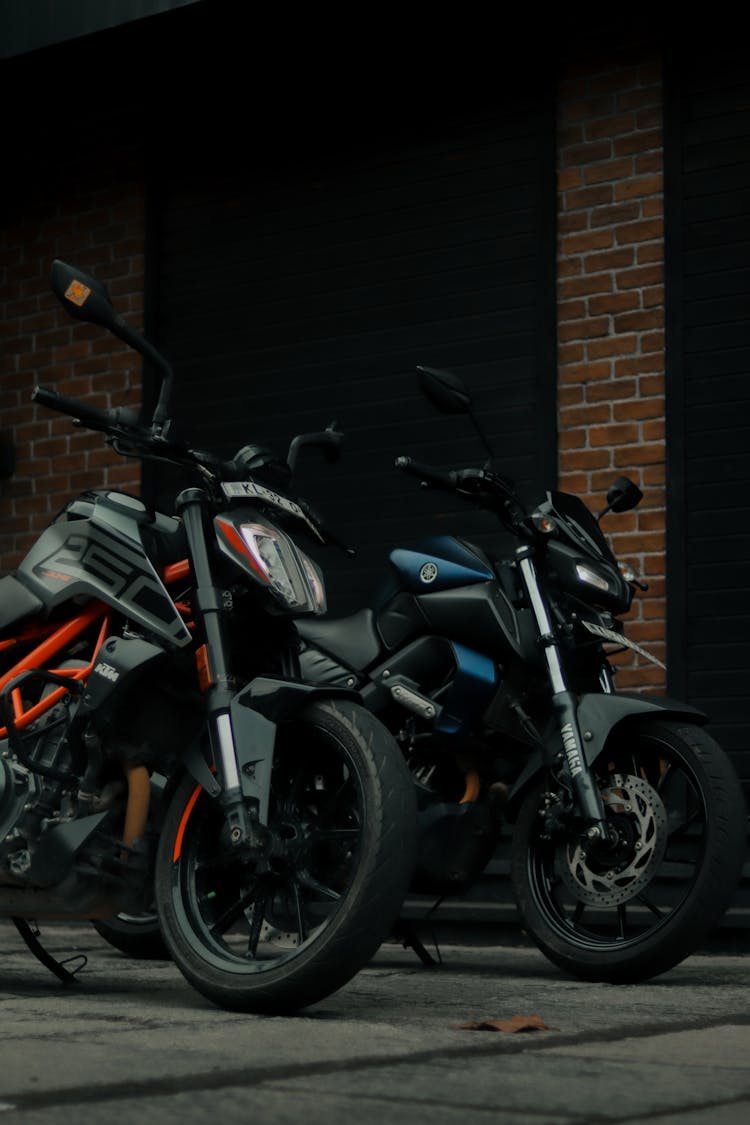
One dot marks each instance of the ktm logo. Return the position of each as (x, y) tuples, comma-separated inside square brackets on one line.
[(107, 671)]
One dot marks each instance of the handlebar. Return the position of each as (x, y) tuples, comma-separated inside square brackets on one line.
[(89, 416), (480, 486), (440, 478)]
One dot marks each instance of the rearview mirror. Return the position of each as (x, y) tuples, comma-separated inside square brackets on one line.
[(622, 496), (82, 296), (445, 390), (85, 298)]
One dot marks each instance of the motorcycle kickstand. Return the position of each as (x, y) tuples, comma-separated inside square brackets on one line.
[(405, 933), (31, 937)]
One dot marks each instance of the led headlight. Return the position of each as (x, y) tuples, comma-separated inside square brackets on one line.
[(592, 577), (290, 573), (272, 558)]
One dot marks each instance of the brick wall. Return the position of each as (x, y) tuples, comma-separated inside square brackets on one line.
[(611, 318), (610, 304), (93, 218)]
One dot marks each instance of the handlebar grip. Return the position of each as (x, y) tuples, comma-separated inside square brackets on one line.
[(89, 416), (440, 478)]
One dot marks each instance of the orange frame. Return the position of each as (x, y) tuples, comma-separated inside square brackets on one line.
[(55, 640)]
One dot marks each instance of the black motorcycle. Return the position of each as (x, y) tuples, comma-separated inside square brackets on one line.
[(159, 753), (495, 675)]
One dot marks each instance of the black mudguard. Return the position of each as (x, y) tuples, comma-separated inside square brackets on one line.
[(255, 711), (598, 715)]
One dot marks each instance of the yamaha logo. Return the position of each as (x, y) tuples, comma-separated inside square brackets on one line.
[(428, 573)]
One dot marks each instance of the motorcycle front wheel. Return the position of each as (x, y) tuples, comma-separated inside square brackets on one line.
[(277, 936), (629, 913)]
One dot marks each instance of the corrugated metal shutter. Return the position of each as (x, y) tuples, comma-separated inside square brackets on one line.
[(709, 391), (305, 280)]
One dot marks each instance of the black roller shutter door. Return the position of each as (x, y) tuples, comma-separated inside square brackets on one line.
[(708, 278), (303, 271)]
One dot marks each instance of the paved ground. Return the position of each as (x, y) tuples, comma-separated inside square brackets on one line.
[(131, 1042)]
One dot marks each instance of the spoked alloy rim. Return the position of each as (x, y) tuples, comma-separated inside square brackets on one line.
[(242, 919), (605, 902)]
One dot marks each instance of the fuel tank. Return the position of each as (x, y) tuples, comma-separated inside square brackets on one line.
[(97, 551), (448, 587)]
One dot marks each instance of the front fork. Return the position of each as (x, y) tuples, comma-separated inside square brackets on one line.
[(586, 791), (244, 830)]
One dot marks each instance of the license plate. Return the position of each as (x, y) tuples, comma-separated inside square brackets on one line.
[(618, 639), (250, 490)]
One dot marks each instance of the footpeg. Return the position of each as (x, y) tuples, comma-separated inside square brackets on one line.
[(410, 699)]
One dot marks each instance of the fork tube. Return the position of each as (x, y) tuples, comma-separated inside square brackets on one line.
[(563, 700), (192, 504)]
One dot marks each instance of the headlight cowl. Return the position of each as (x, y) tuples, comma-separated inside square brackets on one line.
[(271, 558)]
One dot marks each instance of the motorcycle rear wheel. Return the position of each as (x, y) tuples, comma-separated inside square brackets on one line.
[(137, 935), (674, 797), (343, 815)]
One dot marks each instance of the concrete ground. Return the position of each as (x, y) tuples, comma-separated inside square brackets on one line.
[(132, 1042)]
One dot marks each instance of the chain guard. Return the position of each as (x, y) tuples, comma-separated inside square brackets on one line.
[(635, 803)]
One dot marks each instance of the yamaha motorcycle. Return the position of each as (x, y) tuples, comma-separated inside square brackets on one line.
[(495, 675), (160, 756)]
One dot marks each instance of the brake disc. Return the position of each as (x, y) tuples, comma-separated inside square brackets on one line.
[(638, 812)]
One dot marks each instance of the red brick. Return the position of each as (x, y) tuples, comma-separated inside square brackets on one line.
[(613, 390), (586, 153), (608, 260), (580, 459), (649, 231), (612, 346), (589, 197), (639, 186), (615, 215), (615, 434), (625, 456), (585, 286), (609, 171), (639, 408), (614, 303), (637, 143), (644, 320), (587, 329), (569, 178), (587, 242)]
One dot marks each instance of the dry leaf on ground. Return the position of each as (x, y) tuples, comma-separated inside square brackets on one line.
[(515, 1023)]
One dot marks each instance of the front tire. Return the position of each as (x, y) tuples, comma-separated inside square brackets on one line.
[(626, 916), (343, 819)]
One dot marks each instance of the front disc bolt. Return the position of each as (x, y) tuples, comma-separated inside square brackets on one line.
[(638, 845), (236, 835)]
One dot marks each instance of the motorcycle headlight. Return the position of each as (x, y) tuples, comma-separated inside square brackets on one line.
[(593, 577), (290, 573), (612, 591), (271, 557)]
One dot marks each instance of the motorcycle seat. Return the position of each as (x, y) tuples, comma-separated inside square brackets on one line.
[(16, 602), (353, 640)]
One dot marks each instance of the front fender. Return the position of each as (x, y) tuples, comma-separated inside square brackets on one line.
[(255, 712), (279, 699), (598, 715)]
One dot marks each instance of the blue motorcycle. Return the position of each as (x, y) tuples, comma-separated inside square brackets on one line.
[(495, 676)]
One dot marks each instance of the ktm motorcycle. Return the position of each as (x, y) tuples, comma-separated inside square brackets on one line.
[(159, 754), (628, 825)]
